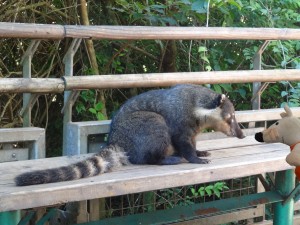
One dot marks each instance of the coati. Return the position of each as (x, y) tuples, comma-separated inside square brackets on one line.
[(156, 127)]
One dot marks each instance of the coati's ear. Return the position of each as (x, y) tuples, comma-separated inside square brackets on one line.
[(222, 99), (287, 113)]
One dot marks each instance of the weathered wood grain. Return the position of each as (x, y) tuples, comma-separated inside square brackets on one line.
[(168, 79), (31, 30), (56, 85), (55, 31), (226, 163)]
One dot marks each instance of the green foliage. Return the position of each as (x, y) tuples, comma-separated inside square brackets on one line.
[(291, 94), (213, 189), (87, 103)]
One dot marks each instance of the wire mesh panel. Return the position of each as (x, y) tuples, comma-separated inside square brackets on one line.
[(179, 196)]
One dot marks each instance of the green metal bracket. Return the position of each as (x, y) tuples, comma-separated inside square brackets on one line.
[(46, 217), (294, 194), (265, 183), (25, 220)]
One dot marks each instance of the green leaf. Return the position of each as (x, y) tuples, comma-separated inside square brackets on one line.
[(202, 49), (217, 193), (199, 6), (208, 68), (209, 189), (99, 106), (100, 116), (92, 110), (193, 191), (226, 87), (204, 58), (217, 88), (284, 93), (201, 191)]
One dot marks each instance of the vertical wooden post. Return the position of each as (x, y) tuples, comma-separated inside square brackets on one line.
[(284, 183)]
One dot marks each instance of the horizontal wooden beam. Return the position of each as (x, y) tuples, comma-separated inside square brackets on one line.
[(168, 79), (263, 114), (31, 85), (55, 85), (31, 30), (55, 31), (180, 33)]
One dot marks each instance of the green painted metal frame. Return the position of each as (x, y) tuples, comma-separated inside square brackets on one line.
[(41, 221), (284, 211), (189, 212), (10, 218)]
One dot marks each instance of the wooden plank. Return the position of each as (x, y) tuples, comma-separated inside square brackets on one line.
[(54, 31), (168, 79), (31, 85), (263, 114), (133, 179), (57, 85), (180, 33), (226, 143), (31, 30)]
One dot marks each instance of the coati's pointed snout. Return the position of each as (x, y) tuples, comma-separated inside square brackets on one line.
[(259, 137), (241, 136), (236, 130), (238, 133)]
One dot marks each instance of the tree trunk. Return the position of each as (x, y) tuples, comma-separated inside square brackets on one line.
[(169, 54), (91, 52)]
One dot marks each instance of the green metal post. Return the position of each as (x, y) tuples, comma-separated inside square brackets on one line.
[(10, 218), (284, 184)]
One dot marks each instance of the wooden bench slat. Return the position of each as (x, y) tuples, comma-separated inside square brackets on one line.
[(227, 163)]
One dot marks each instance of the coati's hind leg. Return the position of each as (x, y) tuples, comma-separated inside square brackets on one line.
[(172, 160), (146, 139)]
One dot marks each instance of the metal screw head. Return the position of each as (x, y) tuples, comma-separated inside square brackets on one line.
[(13, 155)]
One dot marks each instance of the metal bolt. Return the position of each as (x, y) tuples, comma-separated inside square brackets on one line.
[(14, 155)]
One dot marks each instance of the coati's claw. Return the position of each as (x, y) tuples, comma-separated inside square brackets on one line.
[(203, 153), (197, 160), (205, 161)]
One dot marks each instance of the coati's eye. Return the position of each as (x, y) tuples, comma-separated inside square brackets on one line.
[(277, 123)]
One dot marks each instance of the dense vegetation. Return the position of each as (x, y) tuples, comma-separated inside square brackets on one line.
[(119, 57)]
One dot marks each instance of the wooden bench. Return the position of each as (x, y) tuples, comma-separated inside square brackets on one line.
[(231, 158)]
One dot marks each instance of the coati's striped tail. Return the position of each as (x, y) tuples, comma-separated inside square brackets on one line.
[(107, 159)]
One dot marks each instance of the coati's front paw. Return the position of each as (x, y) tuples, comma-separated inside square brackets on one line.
[(203, 153), (199, 160)]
